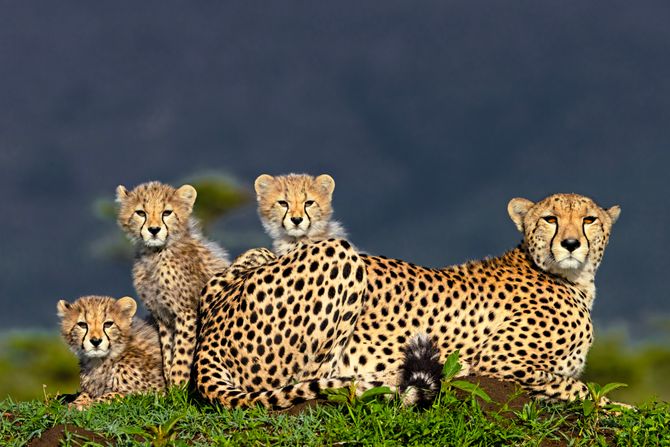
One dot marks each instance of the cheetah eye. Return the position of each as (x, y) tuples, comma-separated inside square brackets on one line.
[(141, 213), (166, 213), (108, 324), (283, 203), (82, 325), (589, 219), (550, 219), (309, 203)]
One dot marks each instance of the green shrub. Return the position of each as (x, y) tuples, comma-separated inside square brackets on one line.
[(29, 360)]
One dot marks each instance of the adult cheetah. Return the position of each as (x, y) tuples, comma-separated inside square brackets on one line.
[(523, 316), (279, 333)]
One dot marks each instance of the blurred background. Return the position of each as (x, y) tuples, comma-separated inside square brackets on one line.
[(430, 115)]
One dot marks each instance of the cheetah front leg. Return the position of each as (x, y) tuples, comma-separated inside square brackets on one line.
[(108, 397), (166, 335), (507, 356), (84, 400), (550, 386), (184, 346), (539, 383), (554, 387)]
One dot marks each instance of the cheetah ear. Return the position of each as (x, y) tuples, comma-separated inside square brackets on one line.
[(517, 209), (121, 193), (127, 305), (188, 194), (262, 183), (614, 213), (327, 183), (63, 308)]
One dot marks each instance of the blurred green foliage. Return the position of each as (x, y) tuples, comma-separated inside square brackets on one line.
[(644, 367), (30, 359), (218, 195)]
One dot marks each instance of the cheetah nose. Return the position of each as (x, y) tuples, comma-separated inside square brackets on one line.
[(296, 220), (570, 244), (96, 341), (154, 230)]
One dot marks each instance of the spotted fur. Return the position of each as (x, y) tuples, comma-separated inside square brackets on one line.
[(117, 354), (172, 264), (523, 316), (271, 334), (274, 336)]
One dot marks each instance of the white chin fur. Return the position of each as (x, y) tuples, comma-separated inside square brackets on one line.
[(296, 232), (569, 264), (154, 242), (96, 354)]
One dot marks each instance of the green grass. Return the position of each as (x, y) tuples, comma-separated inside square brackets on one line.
[(175, 420), (29, 360)]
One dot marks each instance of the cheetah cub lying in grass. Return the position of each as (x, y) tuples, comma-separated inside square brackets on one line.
[(172, 264), (117, 354), (294, 209)]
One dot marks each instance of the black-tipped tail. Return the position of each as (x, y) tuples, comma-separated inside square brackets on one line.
[(421, 372)]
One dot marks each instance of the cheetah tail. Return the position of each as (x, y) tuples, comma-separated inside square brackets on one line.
[(421, 372)]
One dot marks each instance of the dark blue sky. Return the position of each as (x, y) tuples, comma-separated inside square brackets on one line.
[(429, 115)]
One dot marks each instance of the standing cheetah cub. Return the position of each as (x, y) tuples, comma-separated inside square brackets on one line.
[(297, 208), (117, 355), (172, 264)]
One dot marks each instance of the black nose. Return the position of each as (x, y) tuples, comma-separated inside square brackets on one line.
[(154, 230), (96, 341), (570, 244), (296, 220)]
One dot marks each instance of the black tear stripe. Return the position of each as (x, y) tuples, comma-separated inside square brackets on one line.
[(144, 205), (167, 229), (84, 338), (551, 242), (284, 218), (588, 242), (307, 214), (104, 331), (85, 333)]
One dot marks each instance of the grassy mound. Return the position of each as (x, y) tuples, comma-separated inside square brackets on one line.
[(492, 413)]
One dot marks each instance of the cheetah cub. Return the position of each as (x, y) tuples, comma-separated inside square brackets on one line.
[(294, 209), (173, 262), (297, 208), (117, 354)]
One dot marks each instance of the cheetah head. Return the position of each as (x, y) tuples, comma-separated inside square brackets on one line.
[(294, 205), (154, 213), (566, 234), (96, 326)]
